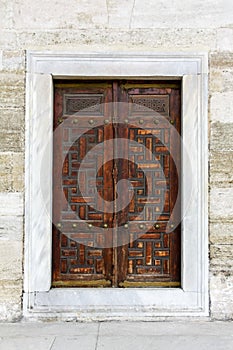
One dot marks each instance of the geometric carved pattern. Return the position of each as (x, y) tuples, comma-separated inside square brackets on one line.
[(148, 254), (150, 177), (77, 258), (151, 256), (76, 152), (148, 104), (74, 103)]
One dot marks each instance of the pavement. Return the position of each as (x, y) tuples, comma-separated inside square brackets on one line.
[(188, 335)]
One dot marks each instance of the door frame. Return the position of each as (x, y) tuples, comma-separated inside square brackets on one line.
[(40, 301)]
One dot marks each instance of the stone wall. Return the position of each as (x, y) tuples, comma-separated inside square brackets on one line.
[(104, 25)]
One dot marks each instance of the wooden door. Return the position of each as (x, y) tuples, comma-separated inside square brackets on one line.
[(130, 246)]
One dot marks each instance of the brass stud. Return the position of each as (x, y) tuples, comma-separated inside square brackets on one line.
[(172, 121), (157, 226), (141, 121), (126, 121), (74, 225), (90, 225), (75, 121), (105, 225), (172, 225), (141, 226), (126, 225), (156, 121), (91, 121), (106, 121), (60, 120), (59, 225)]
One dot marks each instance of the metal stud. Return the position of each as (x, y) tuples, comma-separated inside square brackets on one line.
[(105, 225), (90, 225), (126, 121), (157, 226), (59, 225), (141, 226), (172, 225), (141, 121), (75, 121), (60, 120), (74, 225), (126, 225), (91, 121), (172, 121), (106, 121), (156, 121)]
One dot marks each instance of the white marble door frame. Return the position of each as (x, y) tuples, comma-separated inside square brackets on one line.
[(40, 300)]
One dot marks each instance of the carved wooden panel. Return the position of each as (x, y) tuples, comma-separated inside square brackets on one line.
[(152, 255), (74, 103), (79, 258), (148, 104), (144, 253)]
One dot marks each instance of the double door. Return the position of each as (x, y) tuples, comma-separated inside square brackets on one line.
[(116, 166)]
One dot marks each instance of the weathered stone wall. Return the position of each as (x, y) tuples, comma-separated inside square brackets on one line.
[(172, 25)]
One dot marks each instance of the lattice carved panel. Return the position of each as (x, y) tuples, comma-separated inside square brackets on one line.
[(85, 104), (149, 174), (74, 154), (149, 104), (148, 254), (78, 258)]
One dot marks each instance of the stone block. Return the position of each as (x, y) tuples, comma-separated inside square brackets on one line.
[(221, 233), (221, 139), (221, 60), (11, 204), (10, 260), (6, 14), (1, 65), (118, 39), (10, 312), (11, 172), (13, 60), (221, 295), (12, 119), (221, 106), (182, 14), (8, 39), (60, 15), (12, 90), (221, 165), (120, 13), (11, 228), (221, 80), (225, 38), (11, 291), (221, 258), (11, 141), (221, 200)]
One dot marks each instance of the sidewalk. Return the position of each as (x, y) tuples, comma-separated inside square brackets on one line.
[(178, 335)]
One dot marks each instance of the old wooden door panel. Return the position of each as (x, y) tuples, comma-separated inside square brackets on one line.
[(152, 256), (77, 258)]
